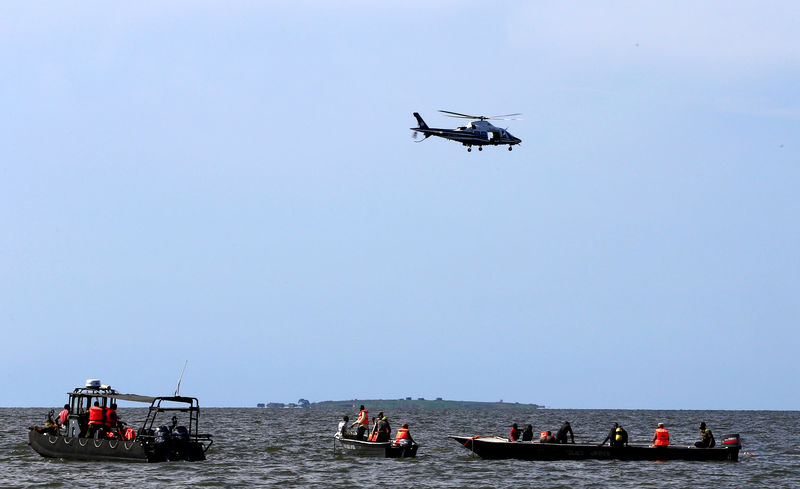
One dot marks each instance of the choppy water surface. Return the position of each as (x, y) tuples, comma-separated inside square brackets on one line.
[(294, 448)]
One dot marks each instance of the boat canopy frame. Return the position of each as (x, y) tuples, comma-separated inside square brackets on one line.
[(80, 399)]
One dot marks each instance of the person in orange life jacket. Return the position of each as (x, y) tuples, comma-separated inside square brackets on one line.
[(63, 416), (403, 437), (362, 422), (527, 434), (112, 420), (513, 435), (547, 437), (661, 436), (96, 419)]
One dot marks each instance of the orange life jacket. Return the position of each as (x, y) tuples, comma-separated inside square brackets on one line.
[(402, 434), (130, 434), (96, 415), (662, 437), (111, 418), (514, 434), (363, 417), (63, 416)]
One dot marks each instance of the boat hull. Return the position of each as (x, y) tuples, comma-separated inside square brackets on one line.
[(57, 446), (375, 449), (500, 448)]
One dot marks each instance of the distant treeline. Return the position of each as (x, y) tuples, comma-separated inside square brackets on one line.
[(386, 404)]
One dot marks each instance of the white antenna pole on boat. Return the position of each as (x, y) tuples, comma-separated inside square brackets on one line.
[(178, 387)]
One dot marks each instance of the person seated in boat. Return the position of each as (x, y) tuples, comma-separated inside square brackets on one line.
[(96, 420), (341, 430), (561, 434), (617, 437), (707, 438), (612, 434), (661, 436), (403, 438), (513, 435), (50, 426), (621, 438), (547, 437), (527, 434), (362, 422), (63, 416)]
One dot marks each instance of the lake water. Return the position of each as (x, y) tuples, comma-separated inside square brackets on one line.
[(294, 448)]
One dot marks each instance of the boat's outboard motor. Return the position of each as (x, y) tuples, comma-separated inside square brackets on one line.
[(180, 443), (731, 441), (162, 442)]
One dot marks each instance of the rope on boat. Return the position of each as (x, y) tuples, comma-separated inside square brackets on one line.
[(83, 444), (472, 438), (113, 446), (125, 444), (96, 445), (68, 442), (52, 442)]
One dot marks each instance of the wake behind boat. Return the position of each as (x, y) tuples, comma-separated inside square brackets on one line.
[(91, 431), (495, 447)]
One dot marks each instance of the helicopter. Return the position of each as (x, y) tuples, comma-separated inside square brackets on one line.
[(478, 133)]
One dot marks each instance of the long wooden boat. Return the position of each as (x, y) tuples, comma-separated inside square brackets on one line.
[(153, 442), (495, 447), (374, 449)]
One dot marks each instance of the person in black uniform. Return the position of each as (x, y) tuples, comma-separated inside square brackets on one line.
[(561, 435), (611, 436), (621, 438), (383, 429), (527, 433)]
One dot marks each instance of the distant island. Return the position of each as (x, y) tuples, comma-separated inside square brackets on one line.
[(405, 403)]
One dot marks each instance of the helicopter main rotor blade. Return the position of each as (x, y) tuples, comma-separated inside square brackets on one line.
[(506, 117), (463, 116)]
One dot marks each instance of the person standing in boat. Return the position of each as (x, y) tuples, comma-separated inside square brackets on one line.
[(527, 434), (707, 438), (63, 416), (513, 435), (362, 422), (661, 436), (96, 419), (561, 434), (383, 430), (112, 420)]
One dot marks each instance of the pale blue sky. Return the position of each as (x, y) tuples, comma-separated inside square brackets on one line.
[(234, 183)]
